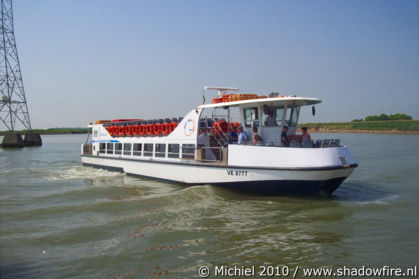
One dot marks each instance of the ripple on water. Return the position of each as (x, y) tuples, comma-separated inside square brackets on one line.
[(364, 194), (80, 172), (63, 220)]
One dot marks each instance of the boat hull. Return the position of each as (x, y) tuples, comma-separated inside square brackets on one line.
[(289, 187), (300, 181)]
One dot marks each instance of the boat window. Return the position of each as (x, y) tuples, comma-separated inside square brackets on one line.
[(272, 116), (137, 149), (109, 148), (102, 147), (148, 149), (173, 151), (250, 115), (188, 151), (160, 150), (292, 116), (127, 148), (118, 148)]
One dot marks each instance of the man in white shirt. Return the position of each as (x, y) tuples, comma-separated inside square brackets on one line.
[(242, 136)]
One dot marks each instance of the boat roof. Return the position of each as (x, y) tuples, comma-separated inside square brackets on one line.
[(290, 101)]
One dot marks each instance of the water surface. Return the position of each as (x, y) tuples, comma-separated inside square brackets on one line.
[(59, 219)]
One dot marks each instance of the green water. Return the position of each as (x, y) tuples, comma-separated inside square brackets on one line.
[(59, 219)]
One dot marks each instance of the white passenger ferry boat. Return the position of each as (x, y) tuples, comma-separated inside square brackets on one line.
[(197, 149)]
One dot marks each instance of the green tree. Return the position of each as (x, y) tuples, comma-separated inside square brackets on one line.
[(371, 118), (383, 116), (400, 116)]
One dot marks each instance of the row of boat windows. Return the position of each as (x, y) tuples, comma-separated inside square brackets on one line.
[(184, 151)]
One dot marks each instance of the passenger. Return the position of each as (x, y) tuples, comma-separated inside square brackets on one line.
[(242, 136), (256, 138), (233, 135), (306, 136), (270, 119), (284, 138)]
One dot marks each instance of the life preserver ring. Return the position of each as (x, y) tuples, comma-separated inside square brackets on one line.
[(217, 100), (189, 127), (225, 98), (165, 128)]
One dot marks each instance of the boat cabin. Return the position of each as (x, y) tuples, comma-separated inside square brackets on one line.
[(204, 134), (268, 114)]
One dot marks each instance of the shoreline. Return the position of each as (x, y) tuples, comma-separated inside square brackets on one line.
[(312, 130), (358, 131)]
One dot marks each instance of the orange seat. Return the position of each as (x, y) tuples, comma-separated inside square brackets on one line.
[(136, 130), (165, 128), (128, 130), (172, 126), (143, 129), (157, 129), (150, 129)]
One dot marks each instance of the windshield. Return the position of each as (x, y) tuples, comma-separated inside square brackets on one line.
[(291, 118), (250, 115), (272, 116)]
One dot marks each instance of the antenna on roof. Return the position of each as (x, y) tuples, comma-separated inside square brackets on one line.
[(221, 90)]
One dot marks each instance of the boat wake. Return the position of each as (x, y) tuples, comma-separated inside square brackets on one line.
[(364, 194), (80, 172)]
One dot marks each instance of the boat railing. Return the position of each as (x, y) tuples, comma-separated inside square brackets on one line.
[(212, 126), (320, 143), (327, 143), (221, 136)]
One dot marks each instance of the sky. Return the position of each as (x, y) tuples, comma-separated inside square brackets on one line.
[(87, 60)]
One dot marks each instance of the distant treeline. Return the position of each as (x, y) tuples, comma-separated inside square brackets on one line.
[(385, 125), (385, 117), (53, 131)]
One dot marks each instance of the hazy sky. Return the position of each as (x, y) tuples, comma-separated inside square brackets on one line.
[(86, 60)]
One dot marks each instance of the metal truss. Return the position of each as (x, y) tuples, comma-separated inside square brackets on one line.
[(13, 107)]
